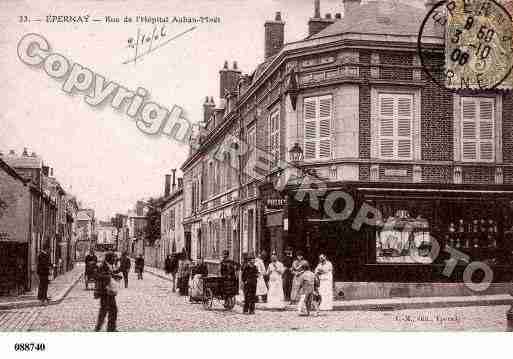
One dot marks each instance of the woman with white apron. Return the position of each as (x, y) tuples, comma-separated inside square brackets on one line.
[(324, 271)]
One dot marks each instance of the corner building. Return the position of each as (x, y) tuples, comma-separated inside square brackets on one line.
[(368, 122)]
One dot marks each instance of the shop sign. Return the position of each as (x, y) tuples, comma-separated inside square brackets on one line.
[(275, 203)]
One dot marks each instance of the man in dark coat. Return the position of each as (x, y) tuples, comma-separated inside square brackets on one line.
[(171, 267), (124, 267), (106, 293), (139, 266), (43, 271), (229, 270), (288, 276), (249, 279)]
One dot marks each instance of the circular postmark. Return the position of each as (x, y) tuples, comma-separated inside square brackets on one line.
[(477, 37)]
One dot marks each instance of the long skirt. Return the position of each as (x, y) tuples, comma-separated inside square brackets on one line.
[(196, 288), (261, 287), (275, 297), (301, 305), (326, 291), (183, 284), (295, 289)]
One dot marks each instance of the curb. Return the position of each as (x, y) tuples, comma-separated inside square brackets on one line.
[(389, 305), (36, 303)]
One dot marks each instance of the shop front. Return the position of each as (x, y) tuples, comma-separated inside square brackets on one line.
[(406, 233)]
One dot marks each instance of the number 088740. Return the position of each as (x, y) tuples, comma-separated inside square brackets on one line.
[(29, 347)]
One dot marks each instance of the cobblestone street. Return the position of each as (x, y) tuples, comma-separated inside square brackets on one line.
[(150, 304)]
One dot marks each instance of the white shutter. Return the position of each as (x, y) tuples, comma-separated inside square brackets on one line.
[(274, 137), (325, 115), (386, 126), (404, 126), (486, 130), (477, 129), (310, 120), (395, 126)]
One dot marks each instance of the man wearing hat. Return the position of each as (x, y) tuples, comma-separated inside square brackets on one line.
[(229, 270), (106, 290), (249, 279)]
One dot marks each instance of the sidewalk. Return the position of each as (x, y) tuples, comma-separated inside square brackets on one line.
[(57, 290), (389, 303)]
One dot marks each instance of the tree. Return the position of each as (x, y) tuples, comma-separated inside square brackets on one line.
[(152, 230)]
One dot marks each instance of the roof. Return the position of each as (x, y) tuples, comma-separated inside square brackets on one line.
[(23, 161), (378, 18), (9, 170)]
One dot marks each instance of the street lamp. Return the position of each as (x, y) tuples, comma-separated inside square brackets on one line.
[(296, 153)]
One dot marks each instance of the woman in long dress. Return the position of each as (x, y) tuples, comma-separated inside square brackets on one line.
[(196, 285), (297, 270), (275, 297), (324, 271), (261, 289)]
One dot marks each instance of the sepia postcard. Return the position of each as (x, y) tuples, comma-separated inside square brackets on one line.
[(255, 166)]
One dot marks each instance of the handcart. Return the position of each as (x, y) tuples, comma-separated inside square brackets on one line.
[(221, 289)]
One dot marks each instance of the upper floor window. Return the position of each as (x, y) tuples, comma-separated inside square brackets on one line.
[(274, 137), (395, 118), (477, 129), (317, 116)]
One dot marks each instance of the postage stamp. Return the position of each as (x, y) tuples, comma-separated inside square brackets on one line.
[(477, 45)]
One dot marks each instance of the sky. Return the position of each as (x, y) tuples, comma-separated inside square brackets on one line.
[(98, 153)]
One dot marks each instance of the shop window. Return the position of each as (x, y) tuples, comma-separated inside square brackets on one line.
[(405, 236)]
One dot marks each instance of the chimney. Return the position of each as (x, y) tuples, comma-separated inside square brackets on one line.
[(316, 24), (208, 108), (228, 79), (167, 185), (274, 36), (350, 6), (174, 178)]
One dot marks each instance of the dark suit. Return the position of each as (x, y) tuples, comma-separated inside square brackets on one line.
[(249, 278), (108, 304), (124, 267), (43, 271)]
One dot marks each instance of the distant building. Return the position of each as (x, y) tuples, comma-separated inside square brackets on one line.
[(172, 236)]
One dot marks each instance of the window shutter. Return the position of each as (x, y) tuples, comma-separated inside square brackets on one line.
[(469, 130), (386, 126), (404, 124), (325, 111), (310, 120), (486, 130), (274, 137)]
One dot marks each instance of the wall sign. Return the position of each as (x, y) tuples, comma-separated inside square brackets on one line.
[(275, 203), (396, 173)]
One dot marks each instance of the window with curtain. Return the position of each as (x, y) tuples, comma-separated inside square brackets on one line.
[(317, 119), (477, 129)]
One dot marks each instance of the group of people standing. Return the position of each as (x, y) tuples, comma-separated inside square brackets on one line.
[(293, 280)]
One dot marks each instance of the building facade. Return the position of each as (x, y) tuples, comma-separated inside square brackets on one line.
[(172, 237), (348, 119)]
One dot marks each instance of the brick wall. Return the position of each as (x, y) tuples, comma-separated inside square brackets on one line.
[(365, 117), (396, 59), (436, 174), (507, 128), (437, 121), (478, 174)]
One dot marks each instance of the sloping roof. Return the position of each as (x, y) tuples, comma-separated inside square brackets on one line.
[(391, 18), (11, 171), (23, 161)]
